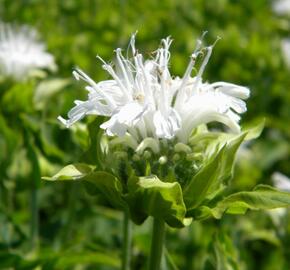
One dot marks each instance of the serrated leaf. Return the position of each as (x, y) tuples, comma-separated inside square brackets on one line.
[(149, 196)]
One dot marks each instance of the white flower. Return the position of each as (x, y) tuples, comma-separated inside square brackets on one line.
[(285, 46), (281, 181), (281, 7), (145, 100), (21, 52)]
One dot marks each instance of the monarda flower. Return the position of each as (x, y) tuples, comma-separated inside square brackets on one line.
[(21, 52), (143, 100)]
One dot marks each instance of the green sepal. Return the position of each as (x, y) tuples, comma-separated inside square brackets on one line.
[(149, 196), (261, 198), (106, 184)]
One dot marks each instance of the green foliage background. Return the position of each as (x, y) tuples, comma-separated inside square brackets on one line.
[(76, 233)]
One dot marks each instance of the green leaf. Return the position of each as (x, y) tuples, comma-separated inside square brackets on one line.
[(14, 102), (93, 154), (225, 253), (8, 260), (228, 157), (8, 143), (71, 172), (12, 260), (47, 89), (71, 260), (267, 235), (261, 198), (33, 157), (254, 130), (106, 184), (197, 188), (148, 196), (215, 172)]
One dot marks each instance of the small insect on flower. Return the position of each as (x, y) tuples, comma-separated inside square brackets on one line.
[(143, 100), (21, 52)]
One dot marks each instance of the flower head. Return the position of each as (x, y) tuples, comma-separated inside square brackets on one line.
[(21, 52), (145, 100)]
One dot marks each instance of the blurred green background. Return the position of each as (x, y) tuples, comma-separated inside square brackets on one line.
[(69, 229)]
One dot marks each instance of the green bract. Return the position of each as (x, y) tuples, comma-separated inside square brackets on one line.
[(148, 196), (177, 184)]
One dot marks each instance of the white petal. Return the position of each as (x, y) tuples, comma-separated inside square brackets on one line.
[(114, 127), (166, 126), (237, 104), (127, 117), (84, 108), (130, 113), (232, 89)]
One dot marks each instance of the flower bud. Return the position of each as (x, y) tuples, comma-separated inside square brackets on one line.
[(181, 147), (162, 160), (176, 157), (193, 156)]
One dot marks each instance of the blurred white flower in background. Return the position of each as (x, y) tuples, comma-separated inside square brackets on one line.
[(285, 46), (277, 215), (281, 7), (281, 181), (144, 100), (21, 52)]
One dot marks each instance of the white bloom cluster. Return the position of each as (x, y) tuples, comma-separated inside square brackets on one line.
[(281, 7), (281, 181), (21, 52), (285, 46), (144, 100)]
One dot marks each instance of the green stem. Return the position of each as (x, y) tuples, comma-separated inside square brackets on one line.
[(34, 217), (127, 239), (35, 176), (157, 243)]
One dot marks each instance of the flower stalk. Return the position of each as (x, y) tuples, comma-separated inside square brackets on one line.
[(34, 216), (157, 243), (127, 240)]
